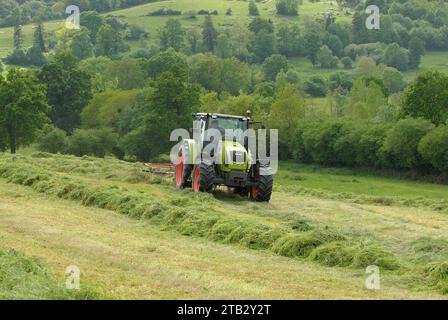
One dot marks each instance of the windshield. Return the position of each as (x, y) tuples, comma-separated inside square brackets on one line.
[(228, 123)]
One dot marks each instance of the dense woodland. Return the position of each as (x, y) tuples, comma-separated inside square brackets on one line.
[(86, 92)]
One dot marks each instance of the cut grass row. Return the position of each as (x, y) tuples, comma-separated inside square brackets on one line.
[(23, 277), (195, 215)]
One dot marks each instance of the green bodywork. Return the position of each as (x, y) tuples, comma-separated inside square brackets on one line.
[(226, 148)]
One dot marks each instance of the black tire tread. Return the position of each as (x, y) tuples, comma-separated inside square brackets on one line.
[(264, 188), (206, 177)]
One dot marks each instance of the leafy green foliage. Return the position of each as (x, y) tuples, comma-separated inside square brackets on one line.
[(54, 140), (94, 142), (68, 90), (273, 65), (427, 97), (434, 148), (401, 144), (23, 108)]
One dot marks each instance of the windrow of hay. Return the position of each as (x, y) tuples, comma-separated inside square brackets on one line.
[(437, 274), (190, 215), (440, 205), (23, 277)]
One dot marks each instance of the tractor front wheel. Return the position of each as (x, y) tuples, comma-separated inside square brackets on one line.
[(203, 176), (182, 173), (263, 190)]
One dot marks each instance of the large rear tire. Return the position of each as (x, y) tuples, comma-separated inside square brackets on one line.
[(263, 190), (182, 173), (203, 176)]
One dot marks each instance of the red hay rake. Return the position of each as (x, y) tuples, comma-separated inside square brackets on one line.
[(159, 168)]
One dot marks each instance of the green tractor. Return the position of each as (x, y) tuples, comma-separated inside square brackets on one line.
[(229, 163)]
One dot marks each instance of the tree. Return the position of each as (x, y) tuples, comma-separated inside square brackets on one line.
[(171, 35), (18, 35), (416, 50), (358, 27), (164, 61), (401, 145), (335, 44), (168, 107), (434, 148), (109, 42), (220, 75), (396, 57), (273, 65), (427, 97), (193, 38), (223, 46), (259, 24), (209, 34), (287, 7), (326, 59), (53, 140), (253, 10), (366, 97), (23, 108), (347, 62), (286, 40), (312, 46), (39, 40), (263, 45), (316, 86), (68, 90), (393, 80), (93, 22), (35, 57), (286, 111), (81, 46)]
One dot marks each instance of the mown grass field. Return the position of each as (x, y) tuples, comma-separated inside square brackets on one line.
[(135, 236)]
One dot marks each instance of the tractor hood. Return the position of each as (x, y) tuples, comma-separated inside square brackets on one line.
[(234, 156)]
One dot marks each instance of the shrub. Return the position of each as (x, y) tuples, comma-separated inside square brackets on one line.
[(319, 141), (434, 148), (401, 144), (347, 62), (346, 145), (316, 86), (95, 142), (54, 141), (165, 12), (369, 147)]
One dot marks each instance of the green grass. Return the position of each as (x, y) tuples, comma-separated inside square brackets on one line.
[(324, 225), (350, 181), (23, 277), (430, 61)]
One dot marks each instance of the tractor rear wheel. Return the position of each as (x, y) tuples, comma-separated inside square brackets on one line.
[(203, 176), (263, 190), (182, 173)]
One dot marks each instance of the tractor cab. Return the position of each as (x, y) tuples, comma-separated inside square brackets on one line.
[(220, 122)]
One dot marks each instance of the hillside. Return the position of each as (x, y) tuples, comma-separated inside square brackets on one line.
[(66, 210)]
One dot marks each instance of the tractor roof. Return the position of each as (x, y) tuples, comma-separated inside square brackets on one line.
[(220, 115)]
